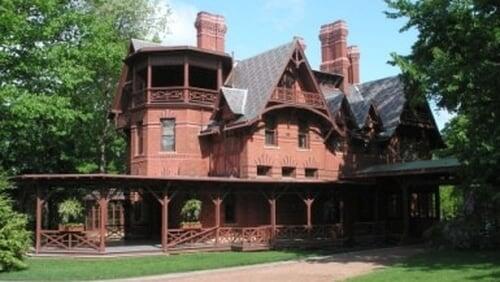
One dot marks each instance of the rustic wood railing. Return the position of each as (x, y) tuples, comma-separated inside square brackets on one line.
[(314, 232), (288, 95), (166, 95), (69, 240)]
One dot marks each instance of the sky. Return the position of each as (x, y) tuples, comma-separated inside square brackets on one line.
[(255, 26)]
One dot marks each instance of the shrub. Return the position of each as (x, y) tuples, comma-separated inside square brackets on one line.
[(191, 210), (70, 211), (15, 240)]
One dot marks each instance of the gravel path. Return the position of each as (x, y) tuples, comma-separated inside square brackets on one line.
[(330, 268)]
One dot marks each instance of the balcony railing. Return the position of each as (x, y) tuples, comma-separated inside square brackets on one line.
[(168, 95), (293, 96)]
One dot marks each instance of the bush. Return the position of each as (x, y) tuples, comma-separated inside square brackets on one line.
[(191, 210), (462, 233), (71, 212), (15, 240)]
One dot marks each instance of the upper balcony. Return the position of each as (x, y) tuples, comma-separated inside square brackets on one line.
[(175, 77), (297, 96)]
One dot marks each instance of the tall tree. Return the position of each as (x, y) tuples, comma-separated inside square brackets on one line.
[(59, 63), (456, 61)]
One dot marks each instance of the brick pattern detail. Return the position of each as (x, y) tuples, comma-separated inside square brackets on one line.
[(211, 30)]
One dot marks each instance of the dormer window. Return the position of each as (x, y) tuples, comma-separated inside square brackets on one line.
[(270, 132), (303, 134)]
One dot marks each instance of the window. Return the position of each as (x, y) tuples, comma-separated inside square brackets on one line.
[(140, 138), (263, 170), (311, 173), (287, 171), (303, 137), (230, 209), (168, 135), (270, 132)]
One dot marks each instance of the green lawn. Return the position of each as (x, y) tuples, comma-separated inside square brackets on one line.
[(67, 269), (441, 266)]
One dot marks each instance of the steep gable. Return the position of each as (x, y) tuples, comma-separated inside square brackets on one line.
[(259, 75)]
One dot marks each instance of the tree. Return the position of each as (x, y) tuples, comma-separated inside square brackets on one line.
[(59, 64), (456, 61), (14, 239)]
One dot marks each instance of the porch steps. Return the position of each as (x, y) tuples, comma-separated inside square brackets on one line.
[(242, 247)]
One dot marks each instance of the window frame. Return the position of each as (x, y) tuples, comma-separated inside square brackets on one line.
[(271, 130), (303, 131), (291, 172), (163, 135), (268, 170), (313, 170)]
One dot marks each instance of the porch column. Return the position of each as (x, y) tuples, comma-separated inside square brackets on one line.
[(272, 208), (438, 204), (148, 85), (186, 80), (376, 206), (219, 75), (39, 208), (164, 221), (103, 209), (406, 210), (309, 202), (217, 202)]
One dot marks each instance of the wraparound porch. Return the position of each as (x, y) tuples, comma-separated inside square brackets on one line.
[(273, 214)]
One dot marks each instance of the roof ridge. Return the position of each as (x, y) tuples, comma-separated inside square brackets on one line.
[(267, 51), (379, 79)]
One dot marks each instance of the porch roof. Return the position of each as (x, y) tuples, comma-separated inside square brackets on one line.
[(138, 180), (447, 165)]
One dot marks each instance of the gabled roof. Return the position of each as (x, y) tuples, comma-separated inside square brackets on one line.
[(235, 99), (259, 75), (334, 98), (386, 96)]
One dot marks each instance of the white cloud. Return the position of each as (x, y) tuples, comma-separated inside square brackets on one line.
[(181, 30), (284, 14)]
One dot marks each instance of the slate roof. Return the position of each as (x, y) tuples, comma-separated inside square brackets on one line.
[(235, 98), (334, 98), (386, 95), (138, 44), (259, 75)]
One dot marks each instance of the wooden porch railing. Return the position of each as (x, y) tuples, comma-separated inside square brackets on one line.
[(69, 240), (287, 95), (177, 94), (314, 232)]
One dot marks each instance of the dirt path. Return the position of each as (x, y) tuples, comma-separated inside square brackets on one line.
[(331, 268)]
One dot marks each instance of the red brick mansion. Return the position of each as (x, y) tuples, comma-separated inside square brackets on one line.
[(278, 153)]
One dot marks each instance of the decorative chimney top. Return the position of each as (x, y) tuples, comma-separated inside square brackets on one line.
[(211, 30)]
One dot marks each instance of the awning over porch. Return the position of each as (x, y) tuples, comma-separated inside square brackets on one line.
[(445, 167)]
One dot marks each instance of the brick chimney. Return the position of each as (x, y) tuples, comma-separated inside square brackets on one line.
[(353, 55), (335, 56), (210, 29)]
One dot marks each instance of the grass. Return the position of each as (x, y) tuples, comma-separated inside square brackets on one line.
[(441, 266), (73, 269)]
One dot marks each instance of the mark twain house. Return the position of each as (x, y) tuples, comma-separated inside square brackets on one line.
[(263, 152)]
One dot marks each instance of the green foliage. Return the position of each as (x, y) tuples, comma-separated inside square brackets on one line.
[(191, 210), (59, 64), (455, 61), (70, 211), (451, 201), (14, 239)]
